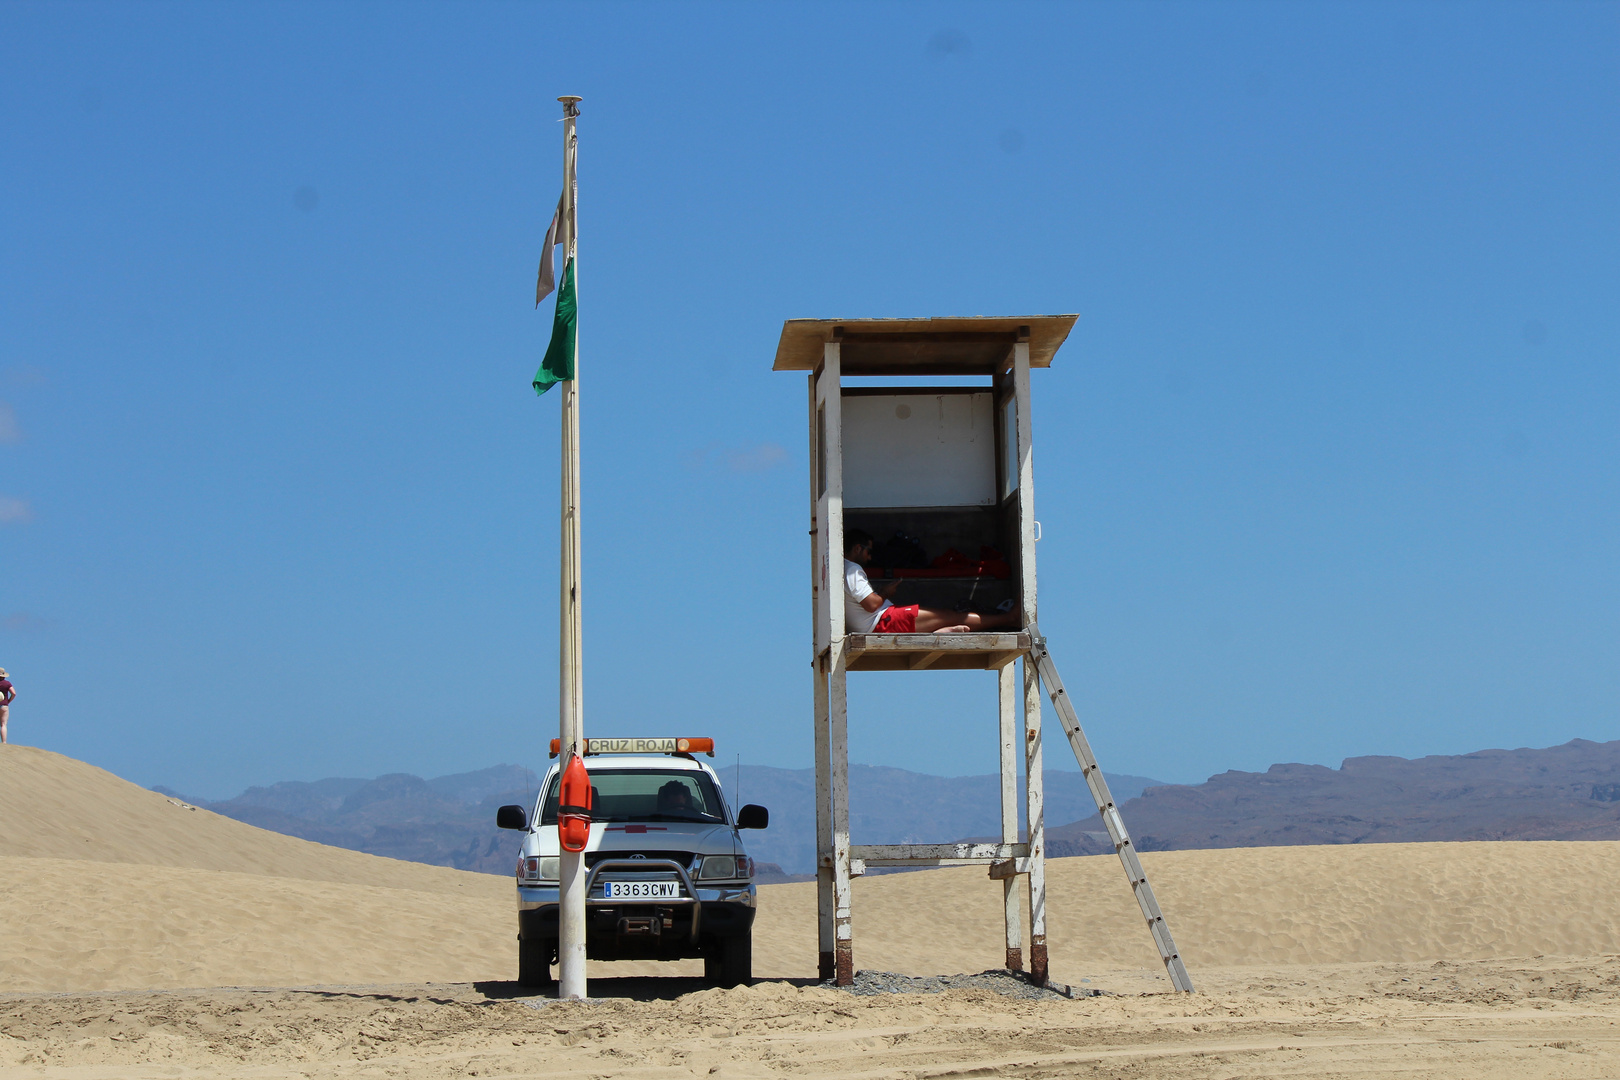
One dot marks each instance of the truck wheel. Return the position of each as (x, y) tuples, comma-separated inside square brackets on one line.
[(729, 961), (534, 961)]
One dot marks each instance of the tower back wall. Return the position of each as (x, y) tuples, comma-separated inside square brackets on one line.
[(919, 449)]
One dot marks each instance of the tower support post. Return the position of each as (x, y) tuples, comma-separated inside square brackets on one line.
[(832, 700), (1035, 811), (825, 968), (1034, 794), (838, 751), (1012, 903), (818, 668)]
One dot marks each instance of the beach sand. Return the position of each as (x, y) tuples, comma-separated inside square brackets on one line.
[(141, 937)]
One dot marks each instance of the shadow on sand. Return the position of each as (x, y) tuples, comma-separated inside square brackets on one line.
[(639, 988)]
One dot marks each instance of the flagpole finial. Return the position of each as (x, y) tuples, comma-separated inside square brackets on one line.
[(570, 104)]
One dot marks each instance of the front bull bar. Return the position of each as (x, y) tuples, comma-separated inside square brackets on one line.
[(691, 896)]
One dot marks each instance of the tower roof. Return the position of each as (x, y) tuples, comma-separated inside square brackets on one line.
[(972, 345)]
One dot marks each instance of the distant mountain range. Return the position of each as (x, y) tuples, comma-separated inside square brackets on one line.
[(1569, 792), (450, 820), (893, 806)]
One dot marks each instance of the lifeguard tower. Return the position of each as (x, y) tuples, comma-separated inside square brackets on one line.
[(947, 469)]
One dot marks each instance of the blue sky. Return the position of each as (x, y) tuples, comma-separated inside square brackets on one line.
[(1327, 468)]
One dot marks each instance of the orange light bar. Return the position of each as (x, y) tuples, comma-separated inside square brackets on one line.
[(642, 746)]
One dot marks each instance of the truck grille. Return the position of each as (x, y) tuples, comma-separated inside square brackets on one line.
[(683, 857), (639, 881)]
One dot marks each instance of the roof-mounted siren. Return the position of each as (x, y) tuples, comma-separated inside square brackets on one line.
[(642, 746)]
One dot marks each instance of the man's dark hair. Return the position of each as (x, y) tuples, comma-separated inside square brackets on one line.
[(854, 538)]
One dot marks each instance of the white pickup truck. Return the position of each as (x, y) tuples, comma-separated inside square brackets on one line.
[(667, 876)]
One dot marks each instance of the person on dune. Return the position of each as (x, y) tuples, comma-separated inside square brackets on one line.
[(8, 694)]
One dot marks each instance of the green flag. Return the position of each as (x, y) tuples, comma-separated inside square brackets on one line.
[(558, 366)]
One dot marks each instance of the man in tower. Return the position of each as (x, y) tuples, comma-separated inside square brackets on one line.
[(868, 611)]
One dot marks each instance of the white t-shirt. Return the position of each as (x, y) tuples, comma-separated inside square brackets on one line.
[(857, 620)]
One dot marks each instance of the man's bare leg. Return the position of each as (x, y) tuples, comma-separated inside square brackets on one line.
[(930, 621), (5, 714)]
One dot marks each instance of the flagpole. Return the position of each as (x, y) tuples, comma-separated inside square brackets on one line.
[(570, 712)]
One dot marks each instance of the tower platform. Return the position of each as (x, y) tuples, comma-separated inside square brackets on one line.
[(940, 652)]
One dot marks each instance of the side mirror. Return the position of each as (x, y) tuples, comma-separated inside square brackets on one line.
[(753, 817), (511, 817)]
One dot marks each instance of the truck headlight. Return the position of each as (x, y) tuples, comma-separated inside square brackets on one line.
[(533, 868), (718, 866)]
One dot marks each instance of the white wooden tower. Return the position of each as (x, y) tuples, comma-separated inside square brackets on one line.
[(950, 465)]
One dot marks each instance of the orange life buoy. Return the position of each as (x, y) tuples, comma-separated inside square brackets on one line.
[(574, 806)]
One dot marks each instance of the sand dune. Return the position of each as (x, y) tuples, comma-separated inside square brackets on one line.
[(1307, 905), (77, 925), (147, 893), (55, 807), (1309, 959)]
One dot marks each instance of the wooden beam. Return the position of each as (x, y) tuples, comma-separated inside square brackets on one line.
[(923, 864), (984, 642), (926, 337), (1009, 870), (857, 867), (924, 659), (919, 391), (802, 339), (904, 853)]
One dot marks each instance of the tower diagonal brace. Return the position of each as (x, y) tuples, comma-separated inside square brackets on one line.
[(1110, 813)]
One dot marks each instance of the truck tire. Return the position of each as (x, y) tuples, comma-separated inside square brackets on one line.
[(534, 961), (729, 961)]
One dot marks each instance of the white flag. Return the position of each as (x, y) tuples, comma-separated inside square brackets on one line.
[(548, 269)]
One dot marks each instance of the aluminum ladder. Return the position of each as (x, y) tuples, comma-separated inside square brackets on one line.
[(1110, 813)]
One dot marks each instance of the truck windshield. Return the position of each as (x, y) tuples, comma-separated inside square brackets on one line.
[(646, 795)]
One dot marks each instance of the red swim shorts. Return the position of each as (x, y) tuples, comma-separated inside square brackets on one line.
[(897, 620)]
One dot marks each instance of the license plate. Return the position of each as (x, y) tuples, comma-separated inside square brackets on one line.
[(641, 890)]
